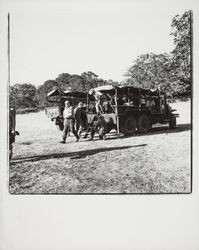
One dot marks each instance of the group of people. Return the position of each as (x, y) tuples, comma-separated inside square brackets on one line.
[(103, 102), (75, 120)]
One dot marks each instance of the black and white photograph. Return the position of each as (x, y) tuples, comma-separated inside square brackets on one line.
[(98, 132), (100, 99)]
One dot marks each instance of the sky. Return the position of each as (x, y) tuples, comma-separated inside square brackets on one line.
[(53, 37)]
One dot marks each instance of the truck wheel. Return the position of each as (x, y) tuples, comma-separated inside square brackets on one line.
[(144, 124), (129, 125), (172, 122)]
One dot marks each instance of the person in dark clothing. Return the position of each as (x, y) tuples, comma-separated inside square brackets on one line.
[(80, 116), (101, 127), (12, 131)]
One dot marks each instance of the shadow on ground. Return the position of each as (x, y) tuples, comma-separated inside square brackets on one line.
[(72, 155), (167, 130), (154, 131), (112, 136)]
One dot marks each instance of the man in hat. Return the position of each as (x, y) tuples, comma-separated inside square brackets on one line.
[(69, 121)]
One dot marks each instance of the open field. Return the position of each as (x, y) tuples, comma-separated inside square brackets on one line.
[(156, 162)]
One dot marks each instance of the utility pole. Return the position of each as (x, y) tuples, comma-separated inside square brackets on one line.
[(8, 49)]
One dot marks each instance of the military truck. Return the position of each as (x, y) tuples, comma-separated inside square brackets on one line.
[(137, 109), (132, 109)]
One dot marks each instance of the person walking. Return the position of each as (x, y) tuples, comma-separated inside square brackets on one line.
[(69, 121)]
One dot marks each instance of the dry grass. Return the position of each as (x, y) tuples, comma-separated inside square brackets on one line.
[(157, 162)]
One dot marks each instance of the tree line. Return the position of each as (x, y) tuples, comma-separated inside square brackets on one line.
[(169, 72), (28, 96)]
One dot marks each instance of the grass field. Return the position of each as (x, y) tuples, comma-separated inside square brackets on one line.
[(156, 162)]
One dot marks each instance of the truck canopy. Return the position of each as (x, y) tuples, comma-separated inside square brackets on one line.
[(126, 90), (69, 94), (105, 89)]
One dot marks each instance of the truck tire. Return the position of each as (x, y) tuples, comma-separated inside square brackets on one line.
[(172, 122), (128, 125), (144, 123)]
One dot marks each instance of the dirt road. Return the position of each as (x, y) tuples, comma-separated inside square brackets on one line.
[(156, 162)]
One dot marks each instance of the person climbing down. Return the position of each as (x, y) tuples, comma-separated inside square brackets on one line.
[(101, 127)]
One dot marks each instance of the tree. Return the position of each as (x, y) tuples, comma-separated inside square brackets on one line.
[(89, 75), (42, 92), (73, 82), (169, 72), (151, 71), (13, 102), (22, 96), (28, 96), (181, 61), (63, 81), (91, 80), (77, 83), (111, 82)]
